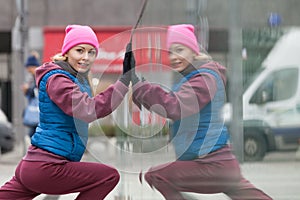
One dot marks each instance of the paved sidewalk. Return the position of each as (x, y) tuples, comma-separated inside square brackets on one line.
[(278, 175)]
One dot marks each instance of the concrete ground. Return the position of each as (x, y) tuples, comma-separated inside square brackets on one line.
[(278, 175)]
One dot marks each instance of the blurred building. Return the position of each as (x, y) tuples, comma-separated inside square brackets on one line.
[(41, 13)]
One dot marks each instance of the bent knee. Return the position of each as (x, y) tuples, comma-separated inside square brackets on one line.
[(149, 179), (153, 178), (114, 176)]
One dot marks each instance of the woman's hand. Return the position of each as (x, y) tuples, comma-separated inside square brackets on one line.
[(129, 60), (129, 67)]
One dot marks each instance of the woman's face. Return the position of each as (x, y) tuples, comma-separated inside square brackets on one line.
[(180, 57), (81, 57)]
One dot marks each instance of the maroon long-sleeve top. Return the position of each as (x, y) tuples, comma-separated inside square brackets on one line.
[(190, 99), (68, 97)]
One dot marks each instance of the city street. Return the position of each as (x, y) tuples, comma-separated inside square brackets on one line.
[(198, 74), (278, 175)]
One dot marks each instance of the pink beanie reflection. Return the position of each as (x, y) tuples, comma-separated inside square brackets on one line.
[(182, 34), (78, 34)]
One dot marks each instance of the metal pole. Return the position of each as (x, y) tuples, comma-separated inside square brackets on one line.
[(24, 30), (196, 15), (235, 78), (20, 49), (190, 11)]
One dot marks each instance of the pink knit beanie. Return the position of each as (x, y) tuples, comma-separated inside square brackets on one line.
[(182, 34), (78, 34)]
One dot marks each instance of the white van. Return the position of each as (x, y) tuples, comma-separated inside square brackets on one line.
[(271, 102)]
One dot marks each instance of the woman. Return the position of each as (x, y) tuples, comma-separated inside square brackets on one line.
[(204, 161), (51, 165)]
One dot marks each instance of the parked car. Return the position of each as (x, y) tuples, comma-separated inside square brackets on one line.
[(7, 137)]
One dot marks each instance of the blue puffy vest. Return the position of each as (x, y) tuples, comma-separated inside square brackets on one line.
[(58, 132), (204, 132)]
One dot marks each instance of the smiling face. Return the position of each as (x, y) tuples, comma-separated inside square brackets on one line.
[(180, 56), (81, 57)]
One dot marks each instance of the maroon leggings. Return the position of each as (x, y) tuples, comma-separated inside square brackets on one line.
[(201, 176), (91, 180)]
